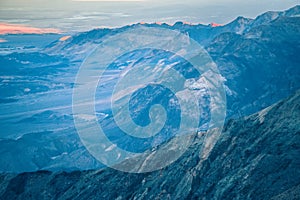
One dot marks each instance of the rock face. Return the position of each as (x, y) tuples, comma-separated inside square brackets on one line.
[(256, 157), (255, 63)]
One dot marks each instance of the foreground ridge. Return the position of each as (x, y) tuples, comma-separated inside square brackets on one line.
[(257, 157)]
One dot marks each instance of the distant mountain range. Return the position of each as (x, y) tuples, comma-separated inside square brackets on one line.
[(257, 57)]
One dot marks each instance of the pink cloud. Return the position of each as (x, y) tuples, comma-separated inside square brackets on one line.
[(187, 23), (6, 28), (215, 24)]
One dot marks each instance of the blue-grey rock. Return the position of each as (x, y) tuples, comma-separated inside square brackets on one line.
[(256, 157)]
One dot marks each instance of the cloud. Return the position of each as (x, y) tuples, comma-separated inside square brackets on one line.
[(213, 24), (6, 28), (2, 40)]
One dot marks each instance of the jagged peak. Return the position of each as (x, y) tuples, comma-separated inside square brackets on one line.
[(294, 11)]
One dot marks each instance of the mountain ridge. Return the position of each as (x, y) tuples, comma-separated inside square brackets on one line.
[(258, 154), (238, 25)]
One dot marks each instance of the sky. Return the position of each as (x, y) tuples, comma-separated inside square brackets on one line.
[(82, 15)]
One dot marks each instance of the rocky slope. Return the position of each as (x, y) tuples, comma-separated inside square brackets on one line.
[(256, 157)]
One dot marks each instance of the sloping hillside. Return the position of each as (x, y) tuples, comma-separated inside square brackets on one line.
[(257, 157)]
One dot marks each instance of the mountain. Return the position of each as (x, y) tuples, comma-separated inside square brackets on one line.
[(82, 43), (258, 58), (260, 66), (250, 54), (257, 157)]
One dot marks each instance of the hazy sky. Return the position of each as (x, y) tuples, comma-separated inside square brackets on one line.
[(79, 15)]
